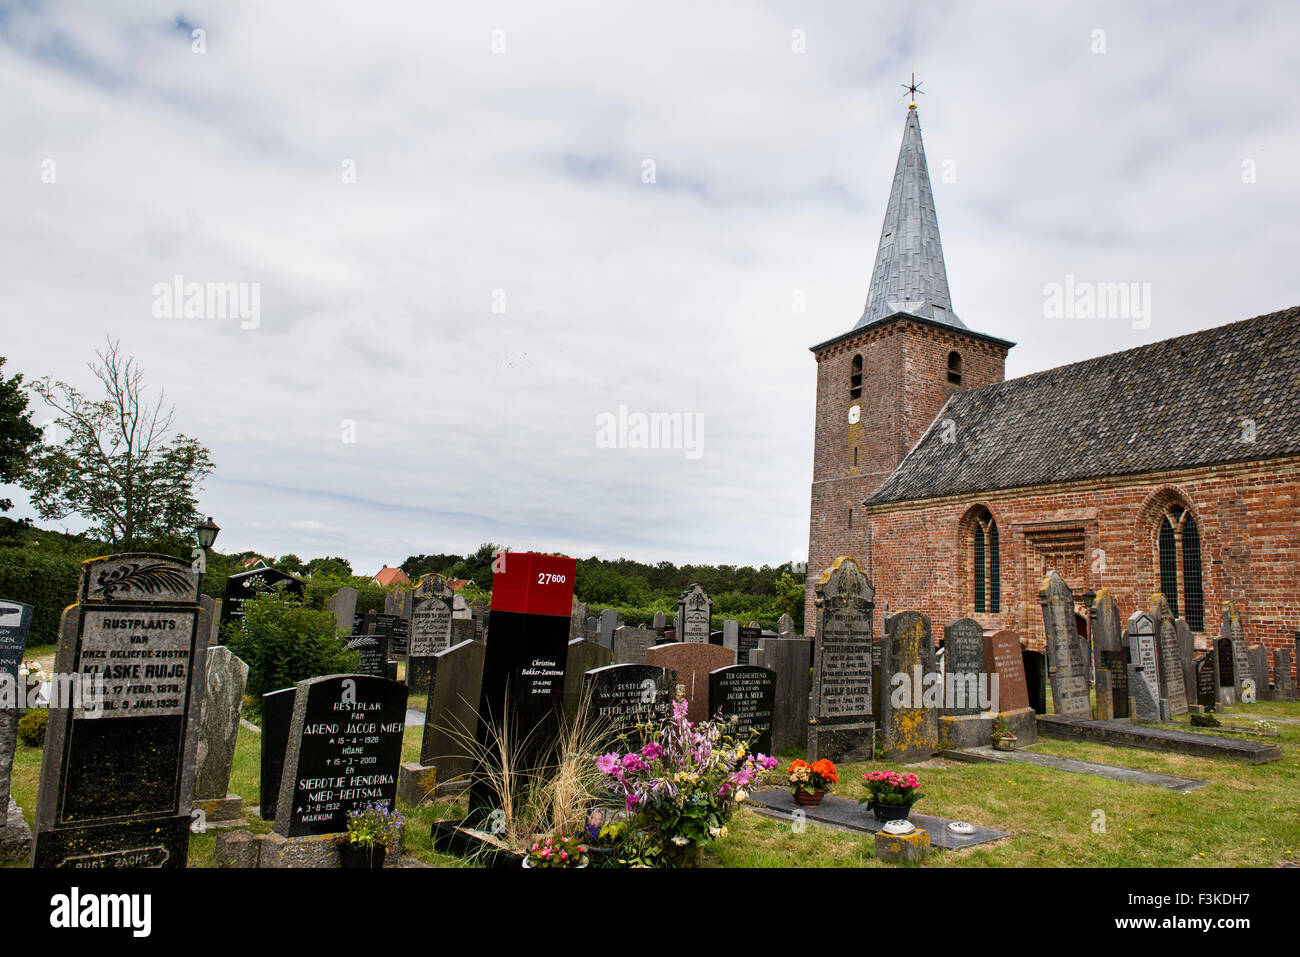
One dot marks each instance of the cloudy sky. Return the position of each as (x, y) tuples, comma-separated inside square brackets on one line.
[(461, 264)]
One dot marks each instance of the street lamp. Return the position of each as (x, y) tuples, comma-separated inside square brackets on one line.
[(207, 533)]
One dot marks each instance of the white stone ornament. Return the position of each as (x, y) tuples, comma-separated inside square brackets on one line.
[(898, 827), (961, 827)]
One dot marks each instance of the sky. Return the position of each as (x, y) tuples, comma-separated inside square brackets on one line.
[(476, 232)]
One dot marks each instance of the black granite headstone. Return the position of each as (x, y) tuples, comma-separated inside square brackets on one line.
[(345, 748), (246, 585), (15, 623), (963, 667), (1207, 681), (374, 654), (1036, 679), (620, 697), (277, 717), (747, 641), (747, 694)]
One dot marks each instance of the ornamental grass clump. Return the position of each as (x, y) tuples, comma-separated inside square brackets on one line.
[(680, 788)]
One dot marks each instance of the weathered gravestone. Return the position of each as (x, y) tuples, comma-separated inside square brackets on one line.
[(1207, 680), (277, 719), (1173, 689), (345, 745), (15, 623), (1259, 671), (622, 696), (117, 778), (1186, 655), (343, 604), (785, 626), (840, 723), (583, 656), (400, 636), (692, 661), (1002, 656), (373, 649), (631, 644), (964, 671), (1284, 687), (745, 695), (1110, 653), (660, 621), (788, 657), (1035, 663), (1067, 669), (399, 602), (910, 697), (245, 585), (430, 634), (578, 620), (731, 635), (451, 716), (1230, 628), (223, 697), (609, 623), (1144, 668), (747, 641), (433, 586), (694, 615)]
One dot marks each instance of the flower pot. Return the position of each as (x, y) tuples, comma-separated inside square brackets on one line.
[(809, 798), (1005, 743), (891, 812), (360, 855)]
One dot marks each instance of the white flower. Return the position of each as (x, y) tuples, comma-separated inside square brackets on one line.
[(741, 795), (681, 841)]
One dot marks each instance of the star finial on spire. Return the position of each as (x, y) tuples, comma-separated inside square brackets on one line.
[(912, 90)]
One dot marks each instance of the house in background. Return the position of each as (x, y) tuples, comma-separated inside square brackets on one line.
[(387, 577)]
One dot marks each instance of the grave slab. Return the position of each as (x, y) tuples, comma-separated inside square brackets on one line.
[(1113, 772), (1156, 739)]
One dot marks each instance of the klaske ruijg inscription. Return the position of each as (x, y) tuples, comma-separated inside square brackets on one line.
[(345, 747), (846, 663)]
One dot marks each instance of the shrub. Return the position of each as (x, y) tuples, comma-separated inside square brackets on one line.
[(31, 728), (284, 642), (1203, 721), (46, 582)]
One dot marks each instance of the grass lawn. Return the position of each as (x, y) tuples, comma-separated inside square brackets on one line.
[(1247, 816)]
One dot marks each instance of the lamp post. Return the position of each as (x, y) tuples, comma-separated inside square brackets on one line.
[(207, 533)]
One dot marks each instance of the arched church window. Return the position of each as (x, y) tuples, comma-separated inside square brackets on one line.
[(954, 368), (1178, 543), (985, 571), (855, 379)]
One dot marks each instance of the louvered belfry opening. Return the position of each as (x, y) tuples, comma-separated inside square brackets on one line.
[(855, 379)]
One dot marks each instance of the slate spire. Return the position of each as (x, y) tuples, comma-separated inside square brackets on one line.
[(909, 275)]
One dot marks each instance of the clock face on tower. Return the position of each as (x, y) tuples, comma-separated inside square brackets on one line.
[(855, 413)]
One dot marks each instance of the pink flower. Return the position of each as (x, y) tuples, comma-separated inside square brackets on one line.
[(651, 751), (607, 763)]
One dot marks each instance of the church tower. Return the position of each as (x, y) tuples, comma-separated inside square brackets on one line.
[(881, 384)]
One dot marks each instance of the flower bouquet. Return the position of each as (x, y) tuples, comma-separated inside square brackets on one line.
[(810, 782), (891, 794), (558, 851), (371, 831)]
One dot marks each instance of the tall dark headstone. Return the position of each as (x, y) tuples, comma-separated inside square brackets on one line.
[(745, 695), (451, 716), (1110, 653), (245, 585), (1173, 689), (1035, 663), (15, 623), (345, 746), (343, 605), (631, 644), (964, 670), (430, 634), (583, 656), (909, 711), (223, 698), (1259, 670), (1226, 675), (746, 641), (621, 697), (608, 623), (694, 615), (373, 649), (1144, 667), (840, 723), (117, 779), (1284, 688), (788, 657), (1067, 669), (1186, 655), (1207, 680), (277, 719)]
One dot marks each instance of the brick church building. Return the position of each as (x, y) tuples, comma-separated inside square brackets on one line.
[(1173, 467)]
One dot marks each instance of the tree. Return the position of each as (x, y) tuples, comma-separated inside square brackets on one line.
[(290, 563), (329, 568), (120, 467), (417, 565), (17, 434)]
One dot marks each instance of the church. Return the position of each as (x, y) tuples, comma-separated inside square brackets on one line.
[(1173, 467)]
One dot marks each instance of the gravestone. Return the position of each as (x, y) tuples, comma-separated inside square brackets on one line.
[(451, 715), (245, 585), (1259, 671), (345, 746), (433, 586), (660, 621), (1173, 690), (746, 642), (374, 654), (460, 607), (277, 719), (583, 656), (609, 623), (430, 634), (1226, 675), (1110, 653), (15, 624), (1067, 669), (692, 661), (785, 626), (631, 645), (1283, 686), (398, 602), (909, 717), (840, 723), (731, 635), (622, 696), (1207, 680), (1035, 679), (1144, 668), (463, 629), (578, 619), (745, 695), (694, 615), (788, 657), (223, 698), (117, 778), (343, 604), (400, 636), (1230, 628), (1186, 655), (1105, 710), (964, 671), (1002, 656)]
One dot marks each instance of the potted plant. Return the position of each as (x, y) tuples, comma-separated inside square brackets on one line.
[(810, 782), (1003, 739), (559, 850), (891, 794), (372, 830)]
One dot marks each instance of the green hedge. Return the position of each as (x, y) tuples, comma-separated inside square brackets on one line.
[(46, 582)]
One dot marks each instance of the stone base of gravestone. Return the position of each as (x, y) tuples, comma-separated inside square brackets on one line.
[(15, 836), (226, 810), (842, 742), (416, 784), (312, 850), (237, 849), (960, 731), (903, 848)]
